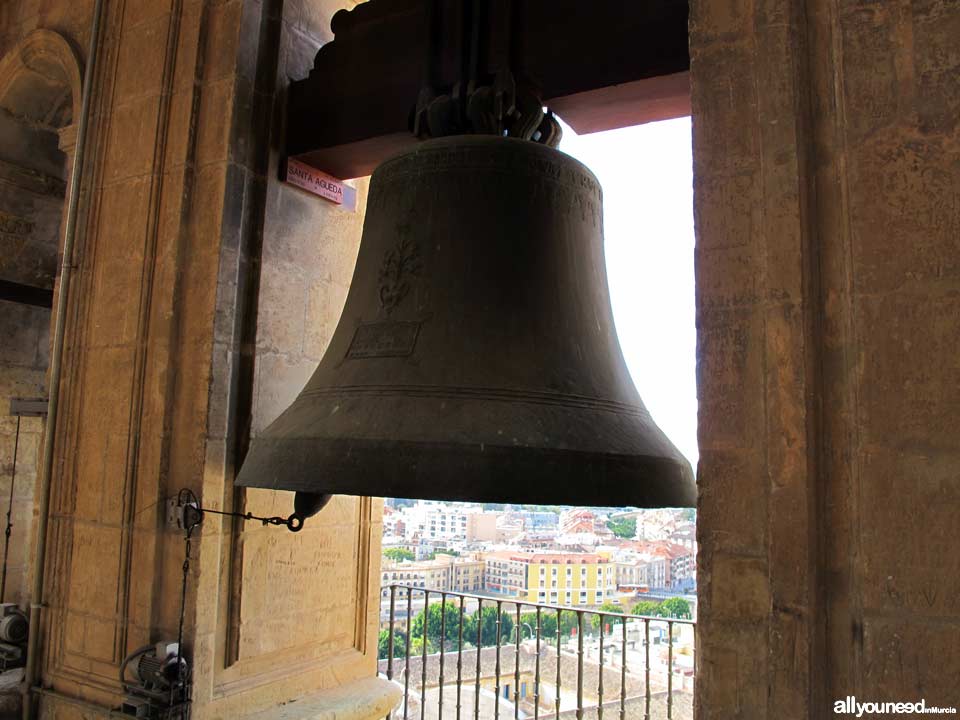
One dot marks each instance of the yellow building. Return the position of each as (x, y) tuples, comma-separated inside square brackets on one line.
[(552, 578)]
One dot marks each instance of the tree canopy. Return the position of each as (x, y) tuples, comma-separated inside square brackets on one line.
[(623, 527), (399, 644), (675, 607), (398, 554)]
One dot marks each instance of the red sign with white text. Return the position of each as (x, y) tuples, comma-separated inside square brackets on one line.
[(319, 183)]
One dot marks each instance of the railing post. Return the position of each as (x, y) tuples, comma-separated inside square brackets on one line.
[(393, 600), (476, 689), (646, 641), (669, 670), (536, 677), (496, 700), (600, 683), (623, 672), (579, 664), (423, 659), (503, 690), (557, 699), (460, 656), (443, 640), (406, 672)]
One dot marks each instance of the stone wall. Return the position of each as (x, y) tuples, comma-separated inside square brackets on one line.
[(300, 609), (827, 177), (31, 205), (826, 205), (24, 353)]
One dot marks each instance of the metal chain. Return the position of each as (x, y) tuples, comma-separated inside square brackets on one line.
[(6, 542), (183, 605), (293, 523)]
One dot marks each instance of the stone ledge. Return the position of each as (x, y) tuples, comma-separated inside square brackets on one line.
[(370, 699)]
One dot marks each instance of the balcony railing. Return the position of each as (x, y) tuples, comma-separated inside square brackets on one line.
[(479, 657)]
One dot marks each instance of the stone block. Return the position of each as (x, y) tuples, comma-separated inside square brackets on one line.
[(908, 659), (728, 278), (21, 329), (93, 581), (283, 297), (223, 24), (904, 571), (726, 136), (324, 304), (136, 78), (935, 29), (740, 588), (729, 355), (905, 208), (213, 121), (909, 379), (366, 699), (731, 657), (871, 44), (727, 211), (279, 381), (720, 21), (133, 131), (733, 496)]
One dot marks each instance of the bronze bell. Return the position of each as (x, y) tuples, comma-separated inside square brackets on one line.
[(476, 357)]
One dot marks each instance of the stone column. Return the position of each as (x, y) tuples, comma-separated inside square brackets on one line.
[(204, 292), (827, 171)]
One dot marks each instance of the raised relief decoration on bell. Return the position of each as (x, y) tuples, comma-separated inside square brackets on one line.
[(384, 339), (14, 227), (400, 263)]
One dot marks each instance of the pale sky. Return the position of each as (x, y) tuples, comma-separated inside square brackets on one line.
[(647, 177)]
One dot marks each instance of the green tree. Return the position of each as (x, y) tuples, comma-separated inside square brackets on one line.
[(607, 607), (675, 607), (435, 621), (416, 647), (398, 554), (568, 621), (488, 627), (623, 527), (548, 623), (645, 607), (399, 644)]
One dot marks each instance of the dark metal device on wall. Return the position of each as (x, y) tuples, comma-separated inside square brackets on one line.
[(476, 357)]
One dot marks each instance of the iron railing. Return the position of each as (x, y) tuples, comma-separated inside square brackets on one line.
[(532, 660)]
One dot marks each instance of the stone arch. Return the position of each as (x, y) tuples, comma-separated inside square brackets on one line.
[(40, 80)]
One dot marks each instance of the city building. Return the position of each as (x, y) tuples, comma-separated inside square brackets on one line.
[(444, 572), (552, 578), (482, 527)]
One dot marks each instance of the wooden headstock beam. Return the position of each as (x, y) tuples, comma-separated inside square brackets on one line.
[(599, 64)]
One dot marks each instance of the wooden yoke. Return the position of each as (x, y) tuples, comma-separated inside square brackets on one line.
[(599, 65)]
